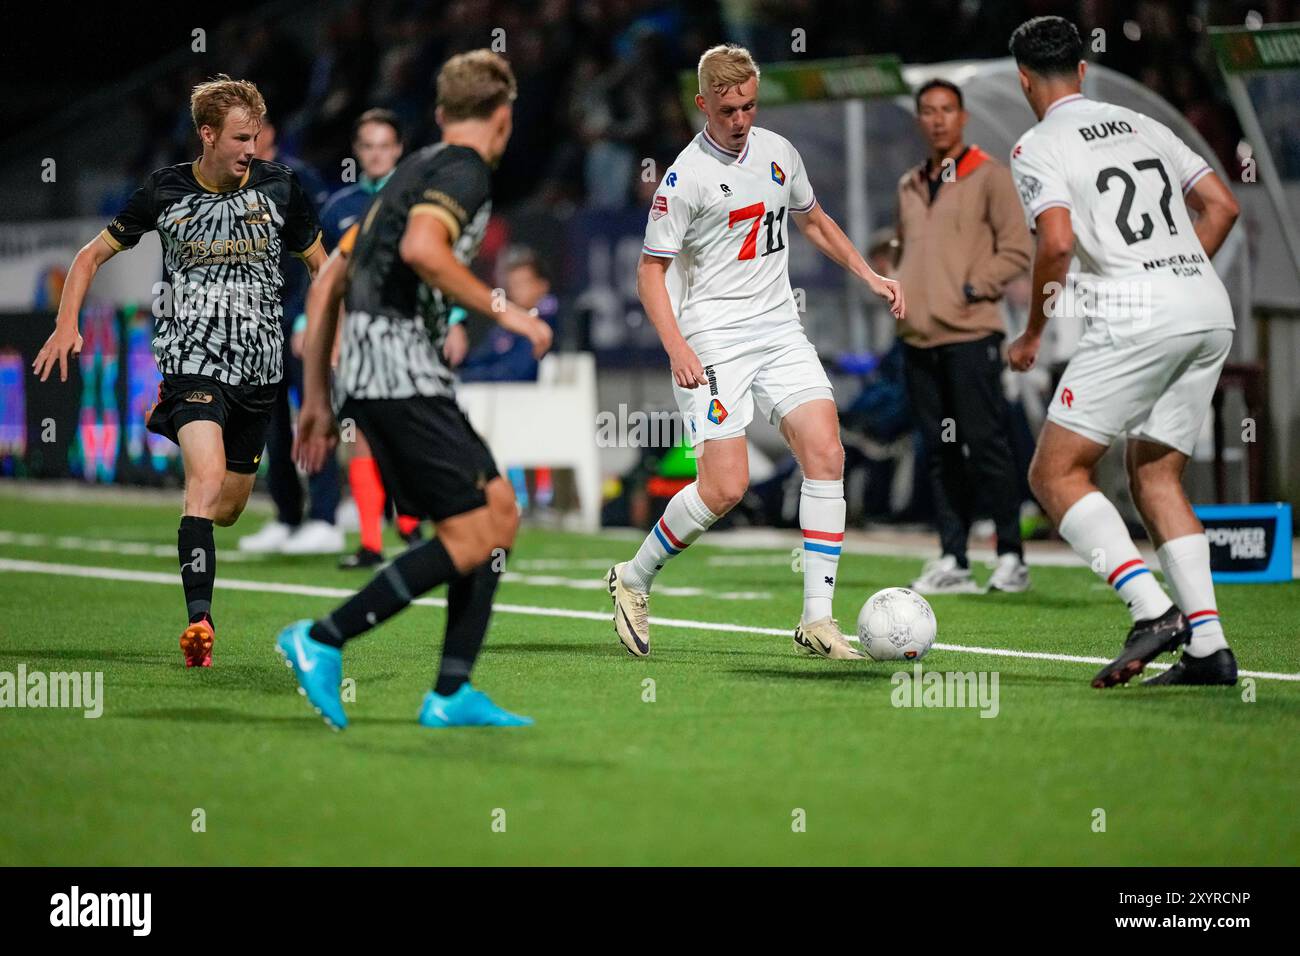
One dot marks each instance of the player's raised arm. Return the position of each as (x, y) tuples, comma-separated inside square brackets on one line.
[(426, 248), (652, 288), (1216, 208), (829, 239), (66, 339), (1052, 256)]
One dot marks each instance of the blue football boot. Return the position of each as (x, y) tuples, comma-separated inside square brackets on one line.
[(319, 669), (466, 708)]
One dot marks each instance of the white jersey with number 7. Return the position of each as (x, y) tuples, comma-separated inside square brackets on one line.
[(723, 218), (1122, 176)]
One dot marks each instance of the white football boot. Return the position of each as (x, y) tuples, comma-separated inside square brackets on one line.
[(823, 639), (631, 613)]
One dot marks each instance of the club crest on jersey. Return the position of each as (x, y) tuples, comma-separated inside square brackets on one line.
[(1030, 187), (257, 215), (778, 174), (717, 414), (659, 208)]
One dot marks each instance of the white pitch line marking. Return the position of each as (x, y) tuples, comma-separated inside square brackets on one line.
[(748, 560), (144, 549), (68, 542), (307, 590), (563, 564), (598, 584)]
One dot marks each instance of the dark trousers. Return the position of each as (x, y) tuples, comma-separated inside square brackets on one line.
[(282, 479), (958, 405)]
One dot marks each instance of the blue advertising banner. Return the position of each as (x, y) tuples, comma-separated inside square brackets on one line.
[(1248, 543)]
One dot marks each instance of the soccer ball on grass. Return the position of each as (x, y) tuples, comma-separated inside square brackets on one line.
[(896, 625)]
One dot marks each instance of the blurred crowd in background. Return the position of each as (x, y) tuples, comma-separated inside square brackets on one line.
[(598, 78), (599, 95)]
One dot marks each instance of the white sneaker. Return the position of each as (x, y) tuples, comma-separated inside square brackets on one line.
[(942, 576), (346, 517), (269, 539), (315, 537), (1010, 575)]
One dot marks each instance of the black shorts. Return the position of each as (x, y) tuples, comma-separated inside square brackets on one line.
[(242, 411), (433, 463)]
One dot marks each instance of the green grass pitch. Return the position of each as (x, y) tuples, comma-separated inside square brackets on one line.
[(748, 754)]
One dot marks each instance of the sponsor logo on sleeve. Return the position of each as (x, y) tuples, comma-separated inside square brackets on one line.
[(1030, 188)]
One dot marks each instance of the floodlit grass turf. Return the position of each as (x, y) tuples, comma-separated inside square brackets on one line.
[(741, 734)]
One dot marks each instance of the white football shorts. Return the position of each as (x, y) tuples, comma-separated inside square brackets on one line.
[(1158, 390), (778, 376)]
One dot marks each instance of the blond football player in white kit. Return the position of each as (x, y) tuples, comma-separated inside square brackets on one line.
[(715, 283), (1112, 187)]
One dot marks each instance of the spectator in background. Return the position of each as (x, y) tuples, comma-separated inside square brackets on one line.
[(376, 146), (505, 357), (962, 239), (287, 533)]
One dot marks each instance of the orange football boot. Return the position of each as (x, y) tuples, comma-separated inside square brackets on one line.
[(196, 643)]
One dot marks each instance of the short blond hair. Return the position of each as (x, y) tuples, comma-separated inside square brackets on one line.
[(724, 66), (213, 99), (472, 85)]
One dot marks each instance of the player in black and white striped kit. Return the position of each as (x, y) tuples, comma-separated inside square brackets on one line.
[(223, 220), (407, 267)]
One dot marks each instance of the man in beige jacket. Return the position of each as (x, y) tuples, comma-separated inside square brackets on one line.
[(962, 238)]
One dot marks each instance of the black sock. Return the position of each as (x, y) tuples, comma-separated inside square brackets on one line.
[(198, 557), (415, 572), (469, 605)]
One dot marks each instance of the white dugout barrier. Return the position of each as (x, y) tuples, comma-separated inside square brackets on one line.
[(548, 423)]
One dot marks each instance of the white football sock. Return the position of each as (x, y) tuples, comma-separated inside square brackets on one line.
[(1186, 563), (1098, 535), (685, 519), (821, 516)]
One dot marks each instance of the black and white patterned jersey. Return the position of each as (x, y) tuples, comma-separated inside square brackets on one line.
[(221, 249), (396, 324)]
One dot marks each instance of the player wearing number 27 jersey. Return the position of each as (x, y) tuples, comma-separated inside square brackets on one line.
[(1122, 176), (715, 284), (1111, 188), (1143, 275)]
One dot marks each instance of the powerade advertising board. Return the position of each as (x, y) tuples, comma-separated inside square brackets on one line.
[(1248, 543)]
